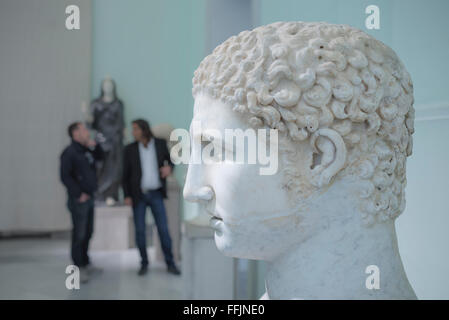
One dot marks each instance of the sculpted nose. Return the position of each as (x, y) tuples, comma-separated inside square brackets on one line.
[(202, 194), (194, 190)]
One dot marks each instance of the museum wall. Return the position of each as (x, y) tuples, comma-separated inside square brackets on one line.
[(422, 227), (413, 30), (44, 79), (151, 49)]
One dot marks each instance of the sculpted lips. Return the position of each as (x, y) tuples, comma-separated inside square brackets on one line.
[(214, 216), (216, 224), (215, 221)]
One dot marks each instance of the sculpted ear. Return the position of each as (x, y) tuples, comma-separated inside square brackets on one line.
[(330, 150)]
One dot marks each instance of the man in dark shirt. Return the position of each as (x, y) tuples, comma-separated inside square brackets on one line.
[(78, 174)]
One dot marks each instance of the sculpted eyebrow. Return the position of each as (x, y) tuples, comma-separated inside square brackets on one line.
[(208, 137)]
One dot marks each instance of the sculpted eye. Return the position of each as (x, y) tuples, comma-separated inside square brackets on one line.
[(210, 148)]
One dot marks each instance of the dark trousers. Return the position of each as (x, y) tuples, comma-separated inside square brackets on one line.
[(83, 225), (155, 200)]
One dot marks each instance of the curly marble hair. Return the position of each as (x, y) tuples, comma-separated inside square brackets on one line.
[(299, 77)]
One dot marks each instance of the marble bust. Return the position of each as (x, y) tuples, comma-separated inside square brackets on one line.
[(342, 103)]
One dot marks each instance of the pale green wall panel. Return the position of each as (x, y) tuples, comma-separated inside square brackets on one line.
[(416, 30), (151, 49)]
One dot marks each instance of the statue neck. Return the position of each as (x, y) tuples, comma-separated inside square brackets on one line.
[(332, 264), (108, 97)]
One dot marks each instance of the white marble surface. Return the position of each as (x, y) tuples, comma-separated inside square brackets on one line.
[(342, 104)]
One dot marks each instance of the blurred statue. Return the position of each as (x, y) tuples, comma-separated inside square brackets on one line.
[(108, 122)]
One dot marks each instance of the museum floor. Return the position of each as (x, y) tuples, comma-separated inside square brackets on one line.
[(35, 269)]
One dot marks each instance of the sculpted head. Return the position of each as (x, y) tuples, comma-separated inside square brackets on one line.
[(342, 104)]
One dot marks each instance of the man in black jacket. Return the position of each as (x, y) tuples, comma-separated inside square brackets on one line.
[(146, 166), (78, 174)]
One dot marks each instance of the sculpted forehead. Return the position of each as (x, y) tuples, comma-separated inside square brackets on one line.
[(215, 114)]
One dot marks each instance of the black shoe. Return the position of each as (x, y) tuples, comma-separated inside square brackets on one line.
[(173, 270), (143, 270)]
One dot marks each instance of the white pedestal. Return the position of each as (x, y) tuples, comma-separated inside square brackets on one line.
[(113, 228), (207, 273)]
